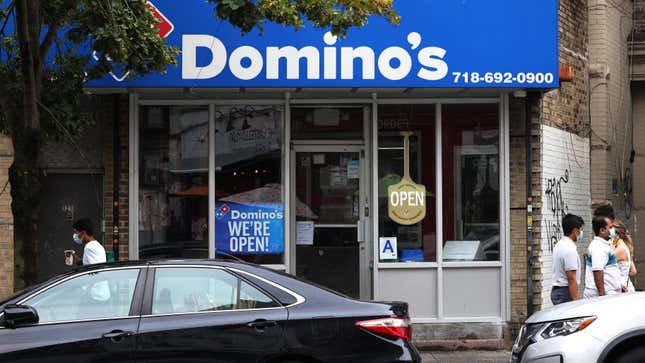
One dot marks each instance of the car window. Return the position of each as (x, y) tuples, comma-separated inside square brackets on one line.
[(192, 289), (95, 295)]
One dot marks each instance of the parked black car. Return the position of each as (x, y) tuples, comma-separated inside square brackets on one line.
[(197, 311)]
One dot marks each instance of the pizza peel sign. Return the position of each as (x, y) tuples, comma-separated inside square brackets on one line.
[(406, 199)]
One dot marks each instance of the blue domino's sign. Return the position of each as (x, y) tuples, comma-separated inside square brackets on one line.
[(243, 229), (439, 43)]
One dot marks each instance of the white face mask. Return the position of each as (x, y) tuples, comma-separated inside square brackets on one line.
[(612, 232), (581, 236), (77, 239)]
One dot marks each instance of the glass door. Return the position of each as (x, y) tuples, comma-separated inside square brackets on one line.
[(329, 204)]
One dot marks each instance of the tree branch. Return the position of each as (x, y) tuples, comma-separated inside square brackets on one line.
[(6, 20), (28, 46), (52, 32), (3, 108), (9, 115)]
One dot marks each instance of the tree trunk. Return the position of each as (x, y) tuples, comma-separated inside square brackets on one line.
[(24, 174), (26, 188)]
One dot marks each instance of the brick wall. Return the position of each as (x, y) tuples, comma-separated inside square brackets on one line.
[(565, 109), (562, 112), (517, 166), (6, 219), (82, 155), (565, 189), (117, 106)]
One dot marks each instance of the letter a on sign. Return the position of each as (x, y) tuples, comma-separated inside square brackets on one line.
[(406, 200), (387, 248)]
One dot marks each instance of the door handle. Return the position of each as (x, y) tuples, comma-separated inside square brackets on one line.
[(261, 324), (117, 335)]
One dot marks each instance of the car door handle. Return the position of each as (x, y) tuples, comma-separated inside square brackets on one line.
[(261, 324), (117, 335)]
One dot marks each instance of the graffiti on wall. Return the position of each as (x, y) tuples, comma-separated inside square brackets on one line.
[(566, 187), (556, 207)]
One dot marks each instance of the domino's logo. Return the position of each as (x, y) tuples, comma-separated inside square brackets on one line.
[(222, 211)]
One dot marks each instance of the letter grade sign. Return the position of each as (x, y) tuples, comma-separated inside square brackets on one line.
[(462, 44)]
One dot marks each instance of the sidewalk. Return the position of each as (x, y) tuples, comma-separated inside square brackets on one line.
[(466, 356)]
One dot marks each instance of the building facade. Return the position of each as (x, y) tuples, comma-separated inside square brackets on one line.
[(636, 126), (390, 165)]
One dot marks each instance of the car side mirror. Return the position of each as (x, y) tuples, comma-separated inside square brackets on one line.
[(17, 315)]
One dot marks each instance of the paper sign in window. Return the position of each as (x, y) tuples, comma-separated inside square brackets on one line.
[(387, 248), (305, 233)]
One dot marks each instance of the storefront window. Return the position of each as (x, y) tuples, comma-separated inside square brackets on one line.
[(173, 182), (470, 167), (249, 210), (401, 242)]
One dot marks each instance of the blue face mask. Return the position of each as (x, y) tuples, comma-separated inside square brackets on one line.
[(581, 236), (77, 239), (612, 232)]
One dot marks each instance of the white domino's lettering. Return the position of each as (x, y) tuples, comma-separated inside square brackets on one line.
[(247, 62)]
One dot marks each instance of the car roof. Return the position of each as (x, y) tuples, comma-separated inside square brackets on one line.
[(289, 281), (136, 263), (164, 262)]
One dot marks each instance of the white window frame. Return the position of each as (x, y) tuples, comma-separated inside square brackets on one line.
[(504, 262), (371, 143)]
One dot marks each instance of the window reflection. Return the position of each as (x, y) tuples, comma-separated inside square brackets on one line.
[(248, 177), (471, 182), (173, 185), (98, 295), (417, 242), (191, 290)]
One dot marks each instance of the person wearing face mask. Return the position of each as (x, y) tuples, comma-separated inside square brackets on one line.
[(605, 210), (93, 251), (602, 276), (566, 263), (95, 297)]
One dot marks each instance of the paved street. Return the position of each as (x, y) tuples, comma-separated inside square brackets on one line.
[(470, 356)]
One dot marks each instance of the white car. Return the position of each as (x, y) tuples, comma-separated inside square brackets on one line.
[(604, 329)]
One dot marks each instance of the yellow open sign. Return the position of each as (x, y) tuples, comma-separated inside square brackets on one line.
[(406, 200)]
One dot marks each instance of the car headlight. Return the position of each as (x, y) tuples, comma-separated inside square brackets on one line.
[(535, 332), (526, 337), (565, 327)]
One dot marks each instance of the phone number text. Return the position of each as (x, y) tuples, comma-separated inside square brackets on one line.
[(503, 78)]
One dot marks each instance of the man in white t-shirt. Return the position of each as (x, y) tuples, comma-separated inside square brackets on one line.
[(602, 276), (93, 252), (566, 262)]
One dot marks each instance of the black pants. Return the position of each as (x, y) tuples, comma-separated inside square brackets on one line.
[(560, 294)]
